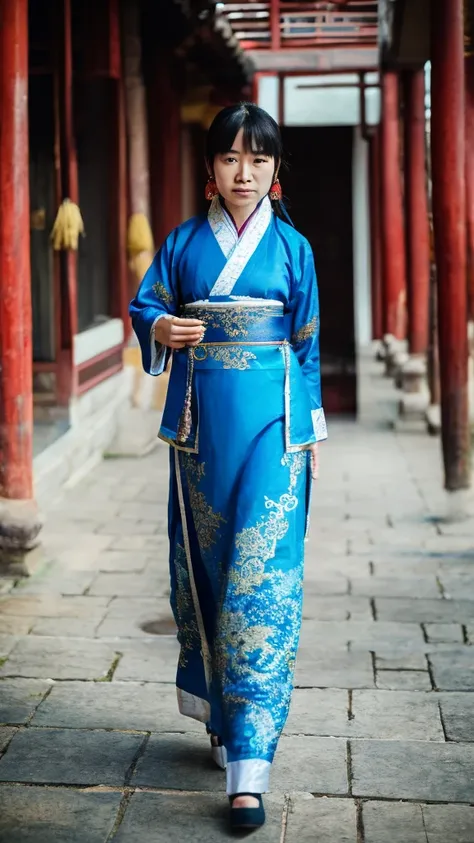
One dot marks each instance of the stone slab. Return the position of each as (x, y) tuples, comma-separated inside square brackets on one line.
[(53, 606), (425, 611), (458, 715), (444, 632), (65, 627), (402, 661), (393, 822), (114, 705), (55, 580), (449, 823), (311, 764), (179, 762), (454, 671), (6, 734), (333, 669), (320, 819), (395, 715), (200, 817), (129, 584), (415, 770), (15, 625), (7, 643), (396, 586), (381, 636), (403, 680), (68, 756), (117, 561), (59, 658), (318, 711), (148, 660), (56, 815), (336, 608), (19, 698)]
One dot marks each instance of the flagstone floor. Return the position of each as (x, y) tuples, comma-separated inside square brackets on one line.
[(379, 744)]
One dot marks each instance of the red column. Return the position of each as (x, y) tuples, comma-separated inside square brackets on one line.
[(16, 403), (449, 215), (469, 112), (416, 210), (393, 234), (275, 24), (165, 144), (375, 245)]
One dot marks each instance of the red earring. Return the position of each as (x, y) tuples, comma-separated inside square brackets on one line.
[(275, 191), (211, 191)]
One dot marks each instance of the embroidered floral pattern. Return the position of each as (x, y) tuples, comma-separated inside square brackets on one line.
[(163, 294), (232, 357), (188, 631), (206, 521), (305, 332), (234, 321)]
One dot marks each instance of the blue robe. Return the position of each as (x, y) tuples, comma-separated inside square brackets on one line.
[(242, 409)]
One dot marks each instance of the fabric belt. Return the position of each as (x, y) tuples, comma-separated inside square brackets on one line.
[(241, 324)]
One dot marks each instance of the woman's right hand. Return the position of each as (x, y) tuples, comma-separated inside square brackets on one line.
[(178, 333)]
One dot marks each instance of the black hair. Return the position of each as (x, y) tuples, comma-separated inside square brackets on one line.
[(261, 134)]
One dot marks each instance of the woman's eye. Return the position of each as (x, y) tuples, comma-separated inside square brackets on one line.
[(230, 160), (260, 160)]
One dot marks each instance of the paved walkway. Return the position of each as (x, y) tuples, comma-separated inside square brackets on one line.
[(379, 745)]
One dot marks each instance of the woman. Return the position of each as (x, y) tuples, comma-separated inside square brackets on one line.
[(232, 296)]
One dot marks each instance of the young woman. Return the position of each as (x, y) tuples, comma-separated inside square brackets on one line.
[(232, 296)]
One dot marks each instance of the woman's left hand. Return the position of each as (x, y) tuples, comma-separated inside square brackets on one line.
[(315, 460)]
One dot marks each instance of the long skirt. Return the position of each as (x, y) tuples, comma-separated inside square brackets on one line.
[(237, 521)]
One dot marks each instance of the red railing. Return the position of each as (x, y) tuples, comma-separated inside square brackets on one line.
[(280, 25)]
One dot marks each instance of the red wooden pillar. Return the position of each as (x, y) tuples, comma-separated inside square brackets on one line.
[(275, 24), (469, 171), (375, 245), (165, 145), (416, 210), (393, 234), (449, 215), (18, 520)]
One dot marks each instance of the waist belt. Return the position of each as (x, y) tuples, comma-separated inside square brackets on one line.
[(236, 323)]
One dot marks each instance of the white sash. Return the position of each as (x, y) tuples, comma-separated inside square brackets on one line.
[(237, 250)]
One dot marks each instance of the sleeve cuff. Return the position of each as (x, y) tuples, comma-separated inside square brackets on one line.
[(157, 351), (319, 424)]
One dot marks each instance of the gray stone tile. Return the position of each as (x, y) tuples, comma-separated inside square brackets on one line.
[(395, 715), (449, 823), (65, 627), (393, 822), (327, 584), (19, 698), (53, 606), (403, 680), (396, 586), (444, 632), (67, 756), (128, 542), (454, 671), (318, 711), (425, 611), (114, 705), (413, 770), (148, 660), (336, 608), (119, 526), (7, 643), (6, 734), (402, 661), (314, 765), (118, 561), (15, 625), (59, 658), (200, 817), (312, 819), (333, 669), (56, 815), (179, 762), (55, 580), (129, 584), (123, 622), (458, 715)]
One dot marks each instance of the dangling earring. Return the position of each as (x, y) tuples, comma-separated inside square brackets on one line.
[(211, 191), (275, 190)]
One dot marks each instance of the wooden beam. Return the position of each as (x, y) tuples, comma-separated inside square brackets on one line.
[(329, 59)]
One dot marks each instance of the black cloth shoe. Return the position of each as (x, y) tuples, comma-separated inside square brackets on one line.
[(247, 817)]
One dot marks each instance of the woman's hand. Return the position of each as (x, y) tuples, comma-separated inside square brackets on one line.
[(177, 333), (315, 460)]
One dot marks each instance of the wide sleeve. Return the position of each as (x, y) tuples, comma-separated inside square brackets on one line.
[(157, 298), (304, 307)]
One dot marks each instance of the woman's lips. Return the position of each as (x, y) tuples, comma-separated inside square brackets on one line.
[(243, 192)]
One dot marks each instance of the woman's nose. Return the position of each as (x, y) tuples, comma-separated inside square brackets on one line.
[(244, 173)]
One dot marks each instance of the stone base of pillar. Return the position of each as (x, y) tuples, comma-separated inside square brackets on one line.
[(395, 354), (433, 419), (20, 525), (411, 378), (400, 360), (414, 405)]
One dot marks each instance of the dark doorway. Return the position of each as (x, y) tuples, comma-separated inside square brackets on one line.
[(319, 187)]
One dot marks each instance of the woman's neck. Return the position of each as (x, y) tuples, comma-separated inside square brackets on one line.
[(239, 215)]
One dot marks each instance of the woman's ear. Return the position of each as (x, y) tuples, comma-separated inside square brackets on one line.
[(208, 168)]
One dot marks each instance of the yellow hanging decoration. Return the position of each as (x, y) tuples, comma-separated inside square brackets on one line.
[(67, 227), (139, 236)]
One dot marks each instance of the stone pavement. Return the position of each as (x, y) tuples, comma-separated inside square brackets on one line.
[(379, 745)]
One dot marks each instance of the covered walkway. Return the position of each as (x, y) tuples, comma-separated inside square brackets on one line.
[(379, 744)]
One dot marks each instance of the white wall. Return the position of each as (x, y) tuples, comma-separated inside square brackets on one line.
[(309, 102)]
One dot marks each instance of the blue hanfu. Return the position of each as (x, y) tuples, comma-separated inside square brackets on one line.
[(242, 409)]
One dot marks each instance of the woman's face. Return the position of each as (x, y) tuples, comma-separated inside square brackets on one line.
[(243, 178)]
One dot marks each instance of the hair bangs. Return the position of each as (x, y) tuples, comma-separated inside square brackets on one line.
[(261, 133)]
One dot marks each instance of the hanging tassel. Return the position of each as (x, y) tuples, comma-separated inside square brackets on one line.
[(139, 236), (67, 227)]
